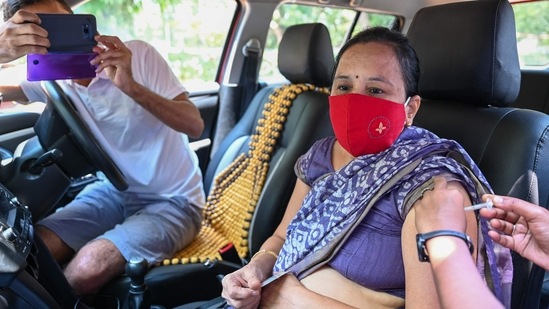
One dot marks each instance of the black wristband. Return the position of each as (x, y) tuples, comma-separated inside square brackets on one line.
[(422, 238)]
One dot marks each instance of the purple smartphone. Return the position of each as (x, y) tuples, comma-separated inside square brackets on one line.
[(54, 66)]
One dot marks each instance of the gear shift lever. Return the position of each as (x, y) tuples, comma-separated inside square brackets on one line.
[(137, 298), (44, 160)]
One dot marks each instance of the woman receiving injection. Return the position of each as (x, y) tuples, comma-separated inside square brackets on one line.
[(517, 225), (454, 270)]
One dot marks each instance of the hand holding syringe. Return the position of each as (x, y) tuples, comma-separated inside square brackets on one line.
[(488, 204)]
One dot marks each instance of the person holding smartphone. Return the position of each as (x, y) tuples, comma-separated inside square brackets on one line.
[(142, 116), (21, 35)]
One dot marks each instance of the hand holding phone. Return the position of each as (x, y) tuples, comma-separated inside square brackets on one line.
[(72, 40), (69, 32), (60, 66)]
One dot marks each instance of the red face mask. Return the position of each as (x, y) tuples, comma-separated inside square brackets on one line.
[(364, 124)]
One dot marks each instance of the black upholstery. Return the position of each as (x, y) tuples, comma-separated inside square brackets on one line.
[(544, 302), (304, 53), (302, 58), (470, 75), (305, 56), (534, 90), (309, 50), (534, 94)]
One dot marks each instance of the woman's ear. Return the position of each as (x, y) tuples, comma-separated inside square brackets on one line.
[(412, 109)]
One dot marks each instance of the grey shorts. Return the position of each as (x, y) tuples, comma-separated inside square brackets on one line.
[(138, 225)]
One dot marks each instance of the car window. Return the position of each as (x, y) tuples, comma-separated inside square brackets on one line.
[(338, 21), (532, 33), (190, 34)]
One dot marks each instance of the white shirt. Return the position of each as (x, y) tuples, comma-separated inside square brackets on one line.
[(154, 158)]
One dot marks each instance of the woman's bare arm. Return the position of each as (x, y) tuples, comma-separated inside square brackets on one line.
[(242, 288), (458, 282), (421, 291)]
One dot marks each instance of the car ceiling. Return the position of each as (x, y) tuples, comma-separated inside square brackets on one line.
[(404, 8)]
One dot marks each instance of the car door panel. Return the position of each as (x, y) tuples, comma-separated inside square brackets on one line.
[(207, 103), (16, 127)]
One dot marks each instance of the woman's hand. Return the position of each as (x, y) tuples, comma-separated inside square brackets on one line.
[(279, 293), (520, 226), (242, 288)]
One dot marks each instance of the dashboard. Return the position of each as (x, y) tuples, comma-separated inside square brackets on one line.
[(16, 233)]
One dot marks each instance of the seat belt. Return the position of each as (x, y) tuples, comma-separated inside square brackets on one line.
[(249, 76), (240, 95)]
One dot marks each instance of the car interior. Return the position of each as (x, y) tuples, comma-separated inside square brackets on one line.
[(306, 58), (469, 79), (473, 91), (534, 93)]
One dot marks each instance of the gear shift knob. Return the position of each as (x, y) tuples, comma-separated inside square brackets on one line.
[(136, 268)]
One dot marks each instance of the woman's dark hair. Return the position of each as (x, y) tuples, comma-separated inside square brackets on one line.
[(406, 55), (10, 7)]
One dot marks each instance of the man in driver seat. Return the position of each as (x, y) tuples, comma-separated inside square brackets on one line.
[(142, 117)]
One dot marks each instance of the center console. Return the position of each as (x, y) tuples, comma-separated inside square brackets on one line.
[(18, 288), (16, 234)]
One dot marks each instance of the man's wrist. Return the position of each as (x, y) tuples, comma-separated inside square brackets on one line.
[(132, 89)]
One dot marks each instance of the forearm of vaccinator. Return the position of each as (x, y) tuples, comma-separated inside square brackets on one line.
[(459, 284)]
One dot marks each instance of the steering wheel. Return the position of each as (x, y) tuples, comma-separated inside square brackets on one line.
[(83, 135)]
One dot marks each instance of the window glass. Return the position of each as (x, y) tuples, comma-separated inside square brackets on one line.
[(366, 20), (338, 21), (532, 23), (190, 34)]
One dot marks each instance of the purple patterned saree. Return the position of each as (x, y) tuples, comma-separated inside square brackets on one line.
[(338, 202)]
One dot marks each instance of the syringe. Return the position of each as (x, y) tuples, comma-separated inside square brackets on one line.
[(488, 204)]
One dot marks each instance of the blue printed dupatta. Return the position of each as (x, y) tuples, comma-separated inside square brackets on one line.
[(337, 203)]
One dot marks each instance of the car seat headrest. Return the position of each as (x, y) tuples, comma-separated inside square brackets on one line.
[(305, 54), (467, 52)]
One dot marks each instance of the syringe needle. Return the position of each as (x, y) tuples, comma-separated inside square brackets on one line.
[(488, 204)]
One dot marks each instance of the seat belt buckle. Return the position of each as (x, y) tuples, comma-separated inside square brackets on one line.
[(229, 254)]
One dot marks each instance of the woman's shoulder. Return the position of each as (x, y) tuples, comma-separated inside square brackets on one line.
[(321, 150), (323, 144), (414, 132), (316, 162)]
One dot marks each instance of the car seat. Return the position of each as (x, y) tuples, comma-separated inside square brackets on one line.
[(534, 90), (470, 75), (305, 57)]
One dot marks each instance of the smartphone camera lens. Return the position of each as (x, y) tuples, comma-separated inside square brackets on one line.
[(35, 62), (86, 30)]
